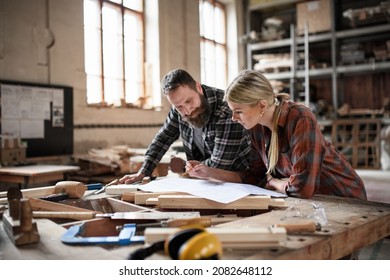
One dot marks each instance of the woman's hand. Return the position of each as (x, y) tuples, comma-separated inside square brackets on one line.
[(278, 185)]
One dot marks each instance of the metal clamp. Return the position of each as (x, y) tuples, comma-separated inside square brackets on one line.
[(126, 236)]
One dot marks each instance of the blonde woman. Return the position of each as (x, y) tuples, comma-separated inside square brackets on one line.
[(289, 152)]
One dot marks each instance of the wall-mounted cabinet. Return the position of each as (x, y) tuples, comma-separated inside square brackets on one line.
[(329, 51)]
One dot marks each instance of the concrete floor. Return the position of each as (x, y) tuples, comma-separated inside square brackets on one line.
[(377, 184)]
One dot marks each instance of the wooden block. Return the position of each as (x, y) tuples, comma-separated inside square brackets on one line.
[(278, 202), (260, 237), (142, 197), (193, 202), (120, 189), (152, 201), (128, 197)]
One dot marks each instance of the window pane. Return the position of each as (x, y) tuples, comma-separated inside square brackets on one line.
[(220, 25), (92, 51), (213, 43), (210, 63), (94, 89), (112, 87), (208, 13), (91, 13), (112, 54), (114, 51), (221, 66), (201, 21), (133, 57), (133, 4)]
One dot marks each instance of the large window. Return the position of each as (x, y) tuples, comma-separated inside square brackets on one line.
[(114, 52), (213, 43)]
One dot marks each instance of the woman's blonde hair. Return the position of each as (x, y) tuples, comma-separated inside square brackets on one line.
[(250, 87)]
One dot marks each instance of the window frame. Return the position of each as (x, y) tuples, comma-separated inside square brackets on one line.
[(141, 102), (204, 40)]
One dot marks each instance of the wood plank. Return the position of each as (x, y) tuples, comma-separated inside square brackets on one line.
[(123, 206), (142, 197), (193, 202), (120, 189), (43, 205), (259, 237)]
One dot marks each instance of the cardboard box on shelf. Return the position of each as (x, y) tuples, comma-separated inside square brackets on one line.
[(316, 14)]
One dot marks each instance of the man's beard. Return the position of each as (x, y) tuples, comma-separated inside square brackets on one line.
[(200, 116)]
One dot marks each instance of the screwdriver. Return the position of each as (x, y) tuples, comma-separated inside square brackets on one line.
[(205, 222)]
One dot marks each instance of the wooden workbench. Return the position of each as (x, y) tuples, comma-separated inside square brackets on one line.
[(351, 225), (35, 174)]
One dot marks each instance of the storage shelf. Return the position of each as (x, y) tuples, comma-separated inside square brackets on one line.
[(346, 69), (362, 31), (368, 67), (314, 38), (270, 44), (272, 4)]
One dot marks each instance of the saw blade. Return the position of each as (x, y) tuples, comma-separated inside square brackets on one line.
[(150, 215)]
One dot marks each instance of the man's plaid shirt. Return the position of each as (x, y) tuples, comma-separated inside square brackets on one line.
[(226, 143)]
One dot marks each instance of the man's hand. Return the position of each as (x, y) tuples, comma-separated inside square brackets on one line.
[(199, 170), (131, 178), (191, 164)]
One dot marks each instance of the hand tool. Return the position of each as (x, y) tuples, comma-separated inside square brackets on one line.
[(18, 222), (56, 197), (64, 215), (172, 216), (114, 182), (155, 215), (205, 222), (73, 236), (70, 189), (300, 227)]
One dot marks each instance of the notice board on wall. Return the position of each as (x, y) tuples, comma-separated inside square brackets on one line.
[(41, 115)]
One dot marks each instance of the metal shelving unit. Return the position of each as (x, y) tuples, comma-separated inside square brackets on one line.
[(333, 37)]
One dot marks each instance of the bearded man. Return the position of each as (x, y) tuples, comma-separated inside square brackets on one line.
[(203, 120)]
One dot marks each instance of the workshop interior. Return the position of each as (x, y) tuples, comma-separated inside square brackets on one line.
[(81, 101)]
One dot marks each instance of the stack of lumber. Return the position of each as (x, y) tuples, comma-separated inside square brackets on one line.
[(103, 161), (176, 200)]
